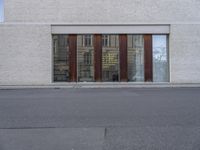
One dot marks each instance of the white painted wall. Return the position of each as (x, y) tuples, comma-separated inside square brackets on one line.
[(185, 53), (25, 54), (102, 11)]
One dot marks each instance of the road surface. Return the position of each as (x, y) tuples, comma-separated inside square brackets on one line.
[(100, 119)]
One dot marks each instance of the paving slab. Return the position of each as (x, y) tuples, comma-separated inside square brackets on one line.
[(152, 138), (52, 139)]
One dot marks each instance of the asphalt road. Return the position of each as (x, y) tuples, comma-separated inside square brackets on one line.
[(100, 119)]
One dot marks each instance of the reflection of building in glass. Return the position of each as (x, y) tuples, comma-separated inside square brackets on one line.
[(106, 40), (61, 58), (110, 60), (87, 40), (85, 55), (135, 58), (160, 58), (87, 58)]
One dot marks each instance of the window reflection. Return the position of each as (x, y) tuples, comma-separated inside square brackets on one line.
[(87, 40), (85, 54), (61, 57), (110, 59), (1, 10), (105, 40), (135, 58), (160, 58)]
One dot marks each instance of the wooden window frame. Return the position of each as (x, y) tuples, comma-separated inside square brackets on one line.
[(73, 57), (123, 59), (98, 57), (148, 58)]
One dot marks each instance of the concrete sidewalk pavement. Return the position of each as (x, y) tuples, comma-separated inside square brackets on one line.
[(102, 85)]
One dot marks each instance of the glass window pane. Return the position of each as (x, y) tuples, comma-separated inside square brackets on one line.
[(87, 40), (105, 40), (160, 58), (61, 57), (1, 10), (135, 58), (85, 55), (110, 60)]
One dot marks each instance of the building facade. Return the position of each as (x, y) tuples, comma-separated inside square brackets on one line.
[(58, 41)]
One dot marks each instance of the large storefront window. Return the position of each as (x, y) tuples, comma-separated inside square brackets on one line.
[(61, 58), (85, 55), (135, 58), (110, 58), (160, 58)]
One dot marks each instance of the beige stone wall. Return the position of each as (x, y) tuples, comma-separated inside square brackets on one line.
[(26, 45), (25, 54), (102, 11), (185, 53)]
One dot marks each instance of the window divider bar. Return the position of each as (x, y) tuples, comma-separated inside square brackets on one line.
[(73, 57), (97, 57), (123, 57), (148, 58)]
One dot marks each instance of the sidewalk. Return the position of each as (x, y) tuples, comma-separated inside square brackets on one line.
[(102, 85)]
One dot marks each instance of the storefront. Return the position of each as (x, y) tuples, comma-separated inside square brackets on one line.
[(100, 42), (110, 58)]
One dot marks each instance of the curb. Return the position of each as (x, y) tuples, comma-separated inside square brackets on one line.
[(101, 85)]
